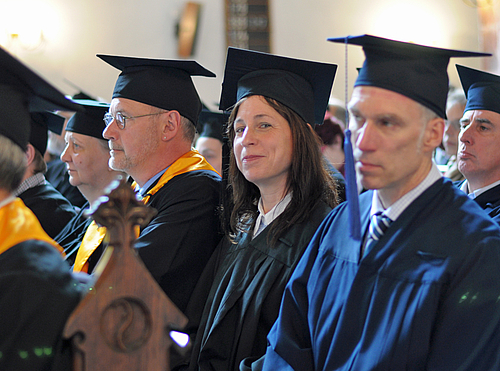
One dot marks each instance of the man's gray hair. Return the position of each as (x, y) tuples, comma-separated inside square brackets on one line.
[(427, 114), (188, 129), (12, 164)]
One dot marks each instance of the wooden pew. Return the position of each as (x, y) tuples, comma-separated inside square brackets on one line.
[(125, 320)]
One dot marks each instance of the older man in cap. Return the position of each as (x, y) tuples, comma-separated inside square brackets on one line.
[(37, 292), (86, 158), (416, 287), (478, 154), (150, 127)]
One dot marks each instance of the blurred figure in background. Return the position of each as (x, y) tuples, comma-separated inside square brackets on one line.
[(209, 142), (332, 137), (455, 106), (37, 292), (51, 208)]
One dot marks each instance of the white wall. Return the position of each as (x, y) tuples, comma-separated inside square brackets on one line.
[(76, 30)]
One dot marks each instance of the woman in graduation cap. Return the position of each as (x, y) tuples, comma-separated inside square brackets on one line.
[(280, 194), (86, 156)]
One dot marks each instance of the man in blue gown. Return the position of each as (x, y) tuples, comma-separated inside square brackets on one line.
[(424, 294), (478, 155)]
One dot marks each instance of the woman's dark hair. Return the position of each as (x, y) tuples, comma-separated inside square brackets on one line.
[(307, 179)]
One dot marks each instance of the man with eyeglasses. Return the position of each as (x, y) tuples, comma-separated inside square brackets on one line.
[(479, 138), (150, 127)]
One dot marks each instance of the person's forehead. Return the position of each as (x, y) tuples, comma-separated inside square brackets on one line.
[(120, 104), (494, 117), (383, 98)]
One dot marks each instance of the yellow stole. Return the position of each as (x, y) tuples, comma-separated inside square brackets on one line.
[(94, 235), (19, 224)]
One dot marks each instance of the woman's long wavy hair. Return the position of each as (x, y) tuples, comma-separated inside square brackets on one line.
[(308, 180)]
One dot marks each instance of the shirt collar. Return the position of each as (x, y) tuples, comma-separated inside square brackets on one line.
[(32, 181), (264, 219), (400, 205), (142, 191), (477, 192)]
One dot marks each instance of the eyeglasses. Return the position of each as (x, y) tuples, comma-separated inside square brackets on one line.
[(121, 119)]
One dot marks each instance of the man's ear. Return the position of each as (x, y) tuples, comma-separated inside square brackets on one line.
[(171, 124), (30, 154), (434, 133)]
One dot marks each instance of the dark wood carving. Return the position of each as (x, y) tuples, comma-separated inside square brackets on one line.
[(125, 319)]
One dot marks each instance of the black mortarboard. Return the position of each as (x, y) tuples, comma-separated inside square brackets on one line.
[(416, 71), (212, 124), (303, 86), (40, 123), (82, 95), (23, 91), (482, 89), (163, 83), (91, 121)]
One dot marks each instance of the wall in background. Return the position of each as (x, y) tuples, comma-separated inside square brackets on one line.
[(75, 31)]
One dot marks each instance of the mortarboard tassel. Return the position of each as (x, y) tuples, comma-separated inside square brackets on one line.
[(351, 189)]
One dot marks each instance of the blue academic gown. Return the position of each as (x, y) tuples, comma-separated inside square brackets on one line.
[(426, 296)]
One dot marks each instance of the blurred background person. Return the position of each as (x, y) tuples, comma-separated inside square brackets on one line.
[(51, 208), (332, 138), (336, 108), (209, 142), (455, 106), (37, 292)]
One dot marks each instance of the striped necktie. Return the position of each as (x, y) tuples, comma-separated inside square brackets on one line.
[(378, 225)]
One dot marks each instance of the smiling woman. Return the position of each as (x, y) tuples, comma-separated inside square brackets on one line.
[(280, 191)]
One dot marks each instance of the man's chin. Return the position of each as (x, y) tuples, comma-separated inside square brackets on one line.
[(116, 165)]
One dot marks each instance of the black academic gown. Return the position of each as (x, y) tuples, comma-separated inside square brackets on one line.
[(489, 201), (57, 175), (424, 297), (72, 234), (178, 242), (245, 296), (37, 295), (51, 208)]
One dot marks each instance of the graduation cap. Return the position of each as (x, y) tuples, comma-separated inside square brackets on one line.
[(212, 124), (416, 71), (91, 121), (482, 89), (303, 86), (162, 83), (22, 91), (40, 123)]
